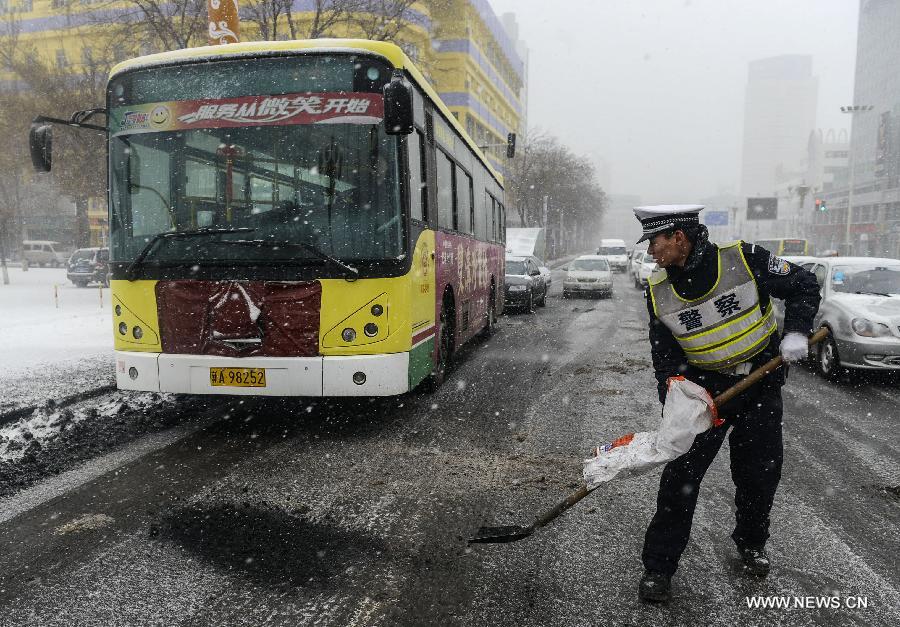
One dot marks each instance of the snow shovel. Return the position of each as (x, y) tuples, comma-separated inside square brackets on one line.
[(511, 533)]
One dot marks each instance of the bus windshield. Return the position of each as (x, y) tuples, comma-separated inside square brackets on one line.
[(288, 173)]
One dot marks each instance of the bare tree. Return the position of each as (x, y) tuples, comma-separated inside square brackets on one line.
[(550, 186), (266, 14), (383, 20), (47, 87), (171, 24)]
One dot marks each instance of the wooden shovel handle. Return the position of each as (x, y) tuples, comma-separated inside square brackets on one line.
[(762, 371)]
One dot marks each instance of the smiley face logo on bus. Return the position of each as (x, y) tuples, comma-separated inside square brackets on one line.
[(159, 116)]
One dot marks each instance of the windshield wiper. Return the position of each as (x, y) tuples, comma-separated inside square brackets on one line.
[(347, 268), (874, 293), (131, 271)]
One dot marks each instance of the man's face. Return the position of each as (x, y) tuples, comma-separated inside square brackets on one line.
[(669, 249)]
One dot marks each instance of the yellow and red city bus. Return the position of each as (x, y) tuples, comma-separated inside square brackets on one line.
[(274, 230)]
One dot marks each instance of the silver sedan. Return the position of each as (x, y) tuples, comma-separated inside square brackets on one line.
[(861, 306)]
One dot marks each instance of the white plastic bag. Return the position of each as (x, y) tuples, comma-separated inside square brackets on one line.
[(689, 411)]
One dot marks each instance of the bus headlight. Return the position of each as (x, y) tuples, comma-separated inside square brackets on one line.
[(137, 332), (371, 329), (377, 310), (348, 334), (123, 328)]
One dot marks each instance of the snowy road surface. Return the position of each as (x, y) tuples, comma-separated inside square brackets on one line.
[(356, 513)]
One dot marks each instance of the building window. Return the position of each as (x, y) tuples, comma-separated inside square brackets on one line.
[(87, 56), (61, 60)]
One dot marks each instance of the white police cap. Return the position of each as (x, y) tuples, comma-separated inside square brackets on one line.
[(658, 218)]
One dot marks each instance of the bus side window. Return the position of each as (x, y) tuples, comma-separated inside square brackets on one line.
[(502, 230), (418, 197), (471, 207), (481, 217), (493, 219), (445, 191), (463, 201)]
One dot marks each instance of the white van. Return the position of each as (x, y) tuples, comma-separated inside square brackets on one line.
[(44, 253), (614, 251)]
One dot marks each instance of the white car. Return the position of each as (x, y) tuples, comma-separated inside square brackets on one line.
[(589, 274), (44, 252), (644, 266), (614, 251), (634, 262)]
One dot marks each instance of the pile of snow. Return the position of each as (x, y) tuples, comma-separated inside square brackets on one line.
[(30, 434), (45, 319)]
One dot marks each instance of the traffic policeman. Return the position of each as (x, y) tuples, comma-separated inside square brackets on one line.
[(711, 321)]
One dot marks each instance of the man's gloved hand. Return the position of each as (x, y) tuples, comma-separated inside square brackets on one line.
[(794, 347)]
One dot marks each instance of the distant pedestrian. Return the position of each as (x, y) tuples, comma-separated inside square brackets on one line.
[(711, 321)]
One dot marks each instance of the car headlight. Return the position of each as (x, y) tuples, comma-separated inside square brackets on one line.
[(517, 288), (867, 328)]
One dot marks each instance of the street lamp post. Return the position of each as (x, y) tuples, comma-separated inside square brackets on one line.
[(852, 109)]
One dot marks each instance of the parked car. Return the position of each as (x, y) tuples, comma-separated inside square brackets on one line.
[(88, 265), (645, 267), (548, 277), (525, 286), (44, 253), (861, 306), (614, 250), (634, 262), (589, 274), (545, 271)]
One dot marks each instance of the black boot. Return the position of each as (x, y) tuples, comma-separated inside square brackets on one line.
[(655, 586), (756, 562)]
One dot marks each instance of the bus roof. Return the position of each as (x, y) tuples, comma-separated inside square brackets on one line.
[(390, 52)]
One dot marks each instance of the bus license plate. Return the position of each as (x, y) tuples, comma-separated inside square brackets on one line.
[(238, 377)]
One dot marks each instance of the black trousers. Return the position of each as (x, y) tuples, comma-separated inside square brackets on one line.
[(754, 420)]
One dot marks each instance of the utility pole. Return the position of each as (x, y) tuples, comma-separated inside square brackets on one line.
[(852, 110)]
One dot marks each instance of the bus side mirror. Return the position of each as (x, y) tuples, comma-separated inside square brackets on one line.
[(398, 106), (40, 142), (510, 145)]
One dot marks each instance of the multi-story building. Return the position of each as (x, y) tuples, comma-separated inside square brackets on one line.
[(461, 46), (874, 168), (779, 113)]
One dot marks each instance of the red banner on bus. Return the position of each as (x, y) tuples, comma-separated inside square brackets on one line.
[(307, 108)]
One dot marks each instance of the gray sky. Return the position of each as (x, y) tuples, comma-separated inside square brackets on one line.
[(656, 87)]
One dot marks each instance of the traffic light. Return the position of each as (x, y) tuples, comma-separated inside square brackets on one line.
[(820, 205), (510, 145)]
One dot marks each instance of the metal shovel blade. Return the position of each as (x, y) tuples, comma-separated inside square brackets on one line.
[(496, 535)]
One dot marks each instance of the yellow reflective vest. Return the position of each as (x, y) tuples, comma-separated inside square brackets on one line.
[(725, 326)]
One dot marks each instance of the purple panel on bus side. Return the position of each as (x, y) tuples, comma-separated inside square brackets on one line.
[(467, 266)]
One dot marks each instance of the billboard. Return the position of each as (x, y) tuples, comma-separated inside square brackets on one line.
[(765, 208), (715, 218)]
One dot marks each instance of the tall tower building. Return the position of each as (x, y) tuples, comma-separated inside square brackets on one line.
[(874, 168), (779, 113)]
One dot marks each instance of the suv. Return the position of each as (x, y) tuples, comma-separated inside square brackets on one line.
[(87, 265), (43, 253)]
